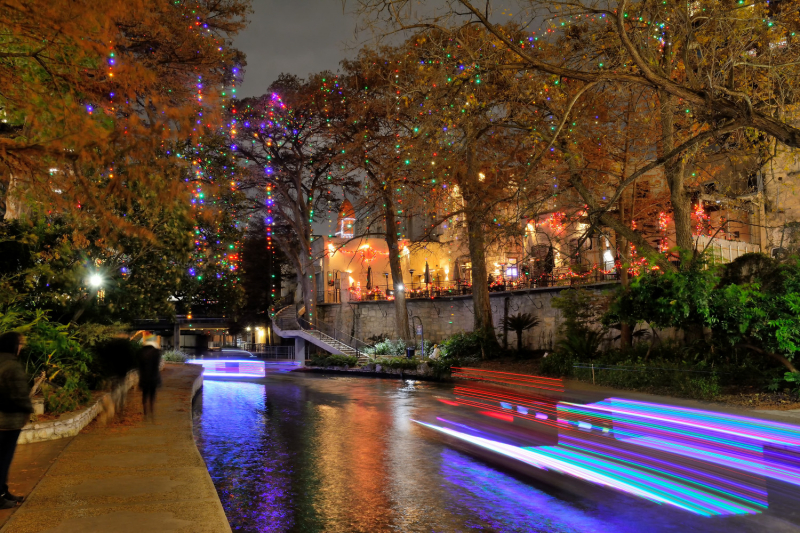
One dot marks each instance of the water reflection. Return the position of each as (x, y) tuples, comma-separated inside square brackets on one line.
[(507, 504), (316, 453)]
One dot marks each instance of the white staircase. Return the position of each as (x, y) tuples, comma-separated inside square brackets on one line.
[(285, 324)]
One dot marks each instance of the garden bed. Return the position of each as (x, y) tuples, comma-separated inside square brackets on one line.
[(51, 427)]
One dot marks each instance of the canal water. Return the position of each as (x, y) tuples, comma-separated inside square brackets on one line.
[(317, 453)]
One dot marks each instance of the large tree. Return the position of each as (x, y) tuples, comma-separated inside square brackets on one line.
[(377, 138), (713, 68), (92, 92), (282, 138)]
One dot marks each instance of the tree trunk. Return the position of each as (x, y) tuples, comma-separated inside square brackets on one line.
[(625, 329), (309, 295), (778, 357), (400, 307), (505, 323), (13, 200), (623, 246), (304, 265), (474, 210), (481, 303), (674, 172), (519, 341)]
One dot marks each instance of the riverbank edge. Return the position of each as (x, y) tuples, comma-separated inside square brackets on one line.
[(788, 416), (393, 374), (197, 384)]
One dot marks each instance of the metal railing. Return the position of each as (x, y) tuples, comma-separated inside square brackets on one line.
[(329, 332), (267, 351), (287, 319), (725, 250), (443, 289)]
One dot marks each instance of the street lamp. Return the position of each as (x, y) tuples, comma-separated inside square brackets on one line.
[(96, 280)]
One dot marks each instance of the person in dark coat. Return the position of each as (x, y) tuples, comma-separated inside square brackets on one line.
[(15, 409), (149, 377)]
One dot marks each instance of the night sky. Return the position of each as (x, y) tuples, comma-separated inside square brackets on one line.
[(294, 36)]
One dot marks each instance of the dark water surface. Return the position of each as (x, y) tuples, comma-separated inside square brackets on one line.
[(339, 454)]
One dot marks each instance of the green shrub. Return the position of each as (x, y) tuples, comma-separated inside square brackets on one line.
[(91, 334), (400, 363), (583, 345), (557, 365), (333, 360), (704, 387), (112, 359), (468, 347), (680, 378), (53, 349), (174, 356), (388, 347), (441, 367), (397, 348), (71, 397), (580, 309)]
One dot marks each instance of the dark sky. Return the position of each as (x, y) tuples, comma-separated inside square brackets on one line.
[(293, 36)]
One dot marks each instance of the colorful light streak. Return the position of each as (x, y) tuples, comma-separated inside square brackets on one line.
[(527, 380), (705, 462), (230, 367), (537, 417), (726, 440), (651, 485)]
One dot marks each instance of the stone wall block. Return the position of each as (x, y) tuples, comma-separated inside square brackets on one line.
[(444, 317)]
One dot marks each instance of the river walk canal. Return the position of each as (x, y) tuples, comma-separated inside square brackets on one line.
[(324, 453)]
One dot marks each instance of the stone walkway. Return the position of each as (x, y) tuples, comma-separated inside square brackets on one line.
[(31, 463), (130, 476)]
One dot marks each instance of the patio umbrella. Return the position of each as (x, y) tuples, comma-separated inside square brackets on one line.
[(427, 274), (369, 278)]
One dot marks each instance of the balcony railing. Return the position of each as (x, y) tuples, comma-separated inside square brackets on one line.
[(445, 289)]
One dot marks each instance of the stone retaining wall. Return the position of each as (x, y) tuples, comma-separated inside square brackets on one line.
[(442, 317), (422, 372), (197, 384), (70, 424)]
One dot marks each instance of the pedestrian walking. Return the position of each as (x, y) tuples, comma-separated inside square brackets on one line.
[(15, 409), (149, 378)]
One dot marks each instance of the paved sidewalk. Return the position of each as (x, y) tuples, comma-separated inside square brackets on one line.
[(31, 462), (130, 476)]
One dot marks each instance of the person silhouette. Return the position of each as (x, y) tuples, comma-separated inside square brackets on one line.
[(15, 409), (149, 378)]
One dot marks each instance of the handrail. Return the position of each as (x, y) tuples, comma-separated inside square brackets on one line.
[(289, 321), (285, 320), (332, 333)]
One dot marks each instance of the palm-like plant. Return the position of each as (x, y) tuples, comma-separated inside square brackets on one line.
[(582, 344), (519, 323)]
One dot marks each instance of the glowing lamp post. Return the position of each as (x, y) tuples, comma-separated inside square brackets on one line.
[(96, 282)]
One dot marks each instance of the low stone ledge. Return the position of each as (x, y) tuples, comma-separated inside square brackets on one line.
[(70, 424), (376, 371)]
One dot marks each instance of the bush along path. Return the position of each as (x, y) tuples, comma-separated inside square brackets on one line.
[(130, 476)]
